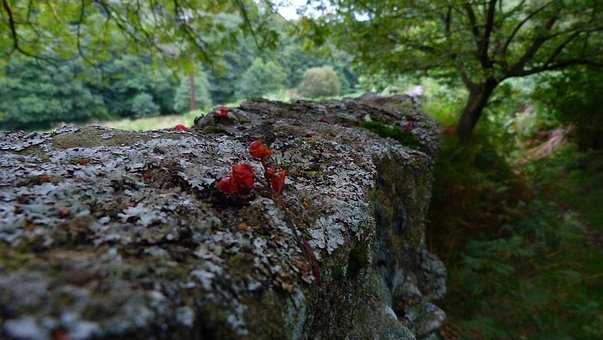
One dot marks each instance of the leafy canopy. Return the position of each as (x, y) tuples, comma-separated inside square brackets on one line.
[(473, 39), (180, 30), (480, 42)]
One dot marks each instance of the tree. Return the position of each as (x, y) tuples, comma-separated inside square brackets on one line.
[(320, 82), (36, 95), (261, 78), (143, 105), (125, 77), (180, 31), (202, 99), (481, 43)]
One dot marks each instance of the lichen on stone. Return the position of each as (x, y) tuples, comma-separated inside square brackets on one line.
[(106, 233)]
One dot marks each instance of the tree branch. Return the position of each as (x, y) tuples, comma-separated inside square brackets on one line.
[(473, 22), (520, 25), (559, 65), (532, 49), (485, 40), (12, 26)]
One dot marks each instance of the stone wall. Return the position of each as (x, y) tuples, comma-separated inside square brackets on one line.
[(113, 234)]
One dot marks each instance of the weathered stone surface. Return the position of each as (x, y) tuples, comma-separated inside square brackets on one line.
[(113, 234)]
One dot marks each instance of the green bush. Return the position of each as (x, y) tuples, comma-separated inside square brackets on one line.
[(182, 100), (143, 105), (260, 79), (320, 82), (574, 96)]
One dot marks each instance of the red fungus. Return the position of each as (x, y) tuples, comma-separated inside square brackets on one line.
[(408, 126), (180, 128), (269, 172), (243, 175), (222, 112), (278, 181), (227, 186), (259, 150)]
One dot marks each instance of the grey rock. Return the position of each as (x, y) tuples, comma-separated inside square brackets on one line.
[(113, 234)]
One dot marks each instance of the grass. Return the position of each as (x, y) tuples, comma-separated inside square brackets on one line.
[(169, 121), (152, 123)]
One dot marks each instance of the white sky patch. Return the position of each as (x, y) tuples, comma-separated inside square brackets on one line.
[(290, 9)]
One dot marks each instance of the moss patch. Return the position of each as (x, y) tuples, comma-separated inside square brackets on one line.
[(389, 131), (357, 260), (93, 137)]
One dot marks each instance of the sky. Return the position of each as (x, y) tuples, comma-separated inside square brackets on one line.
[(288, 11)]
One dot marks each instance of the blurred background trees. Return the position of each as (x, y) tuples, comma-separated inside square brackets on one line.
[(319, 82), (260, 78), (184, 93)]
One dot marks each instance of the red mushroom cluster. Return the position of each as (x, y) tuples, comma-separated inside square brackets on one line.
[(180, 128), (240, 181), (222, 112), (242, 177)]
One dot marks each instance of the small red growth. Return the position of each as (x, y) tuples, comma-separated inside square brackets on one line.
[(259, 150), (278, 181), (244, 176), (63, 212), (408, 126), (228, 186), (222, 112), (309, 253), (240, 181), (44, 178), (269, 172), (59, 335), (180, 128)]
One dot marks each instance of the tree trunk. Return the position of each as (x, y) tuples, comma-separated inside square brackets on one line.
[(193, 92), (477, 101)]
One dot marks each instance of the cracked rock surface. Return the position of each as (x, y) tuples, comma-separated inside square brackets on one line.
[(113, 234)]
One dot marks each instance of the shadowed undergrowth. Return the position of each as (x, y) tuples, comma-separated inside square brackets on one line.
[(515, 244)]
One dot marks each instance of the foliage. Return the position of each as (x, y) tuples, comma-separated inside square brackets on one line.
[(127, 76), (479, 43), (574, 96), (320, 82), (235, 62), (182, 99), (37, 95), (183, 30), (260, 78), (296, 60), (143, 105), (575, 178), (516, 255)]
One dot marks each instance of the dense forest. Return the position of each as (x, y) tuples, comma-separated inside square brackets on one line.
[(515, 86), (37, 93)]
